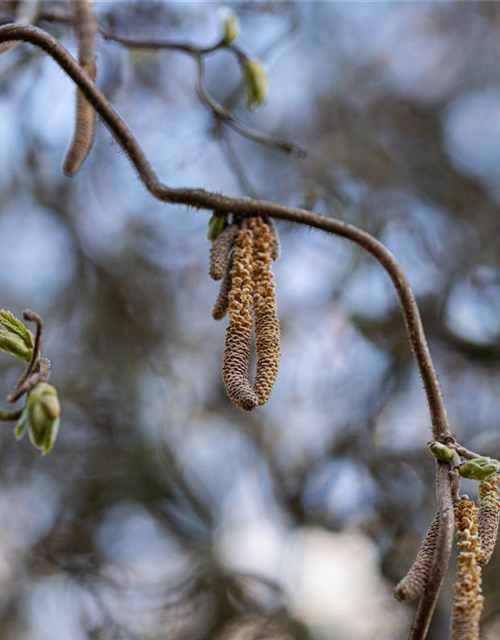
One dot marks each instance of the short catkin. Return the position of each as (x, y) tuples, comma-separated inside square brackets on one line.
[(221, 305), (415, 581), (236, 359), (468, 599), (489, 516), (86, 28), (275, 244), (221, 251), (267, 328)]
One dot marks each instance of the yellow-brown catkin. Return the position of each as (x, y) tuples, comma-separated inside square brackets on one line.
[(220, 252), (468, 599), (235, 362), (489, 516), (267, 328), (86, 29), (275, 244), (415, 581), (222, 303)]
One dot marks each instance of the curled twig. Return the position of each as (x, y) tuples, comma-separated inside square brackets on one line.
[(38, 369)]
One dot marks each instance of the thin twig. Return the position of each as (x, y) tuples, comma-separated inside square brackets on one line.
[(220, 112), (38, 369)]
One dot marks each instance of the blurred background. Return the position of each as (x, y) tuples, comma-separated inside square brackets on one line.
[(164, 511)]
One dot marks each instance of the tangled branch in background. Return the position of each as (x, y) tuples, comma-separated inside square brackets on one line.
[(42, 411), (246, 281)]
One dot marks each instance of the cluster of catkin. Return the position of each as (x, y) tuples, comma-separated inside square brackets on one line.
[(476, 532), (242, 257)]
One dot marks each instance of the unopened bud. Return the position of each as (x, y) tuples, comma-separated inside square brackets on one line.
[(255, 83), (230, 25), (440, 452), (15, 345), (44, 412), (479, 468)]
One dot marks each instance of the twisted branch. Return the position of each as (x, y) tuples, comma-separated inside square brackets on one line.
[(201, 199)]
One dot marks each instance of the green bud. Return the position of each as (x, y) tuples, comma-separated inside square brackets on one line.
[(479, 468), (15, 345), (230, 25), (255, 79), (216, 224), (440, 452), (44, 412)]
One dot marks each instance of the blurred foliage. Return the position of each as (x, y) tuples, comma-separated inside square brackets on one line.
[(163, 511)]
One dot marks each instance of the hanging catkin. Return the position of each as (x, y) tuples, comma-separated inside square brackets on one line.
[(468, 600), (275, 243), (220, 252), (85, 25), (489, 516), (413, 584), (222, 303), (235, 363), (267, 328)]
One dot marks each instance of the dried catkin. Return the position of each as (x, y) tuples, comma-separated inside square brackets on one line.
[(220, 252), (267, 328), (468, 600), (489, 516), (235, 363), (86, 28), (415, 581)]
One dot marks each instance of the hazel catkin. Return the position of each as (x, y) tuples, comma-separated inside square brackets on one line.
[(235, 362), (415, 581), (220, 252), (468, 599), (86, 28), (221, 305), (489, 516), (267, 328)]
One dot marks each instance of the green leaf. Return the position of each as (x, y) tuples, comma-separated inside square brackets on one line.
[(216, 225), (21, 424), (14, 325)]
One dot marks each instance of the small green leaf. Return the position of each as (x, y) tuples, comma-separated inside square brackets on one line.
[(21, 424), (14, 325), (16, 346), (216, 225)]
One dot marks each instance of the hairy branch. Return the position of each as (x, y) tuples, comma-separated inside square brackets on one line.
[(202, 199)]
